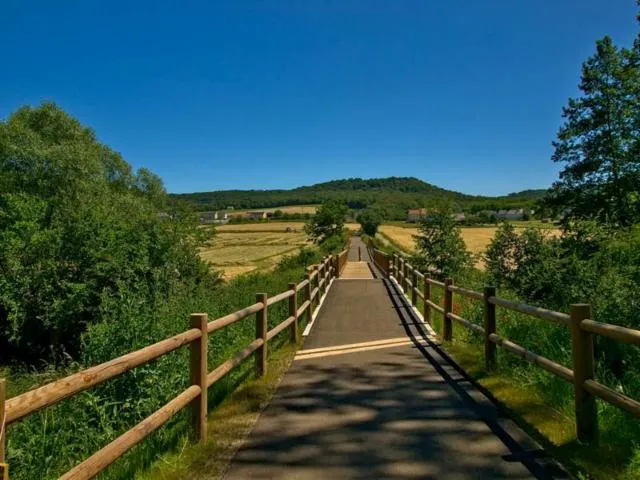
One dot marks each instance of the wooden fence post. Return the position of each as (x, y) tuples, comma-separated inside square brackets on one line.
[(426, 290), (392, 269), (3, 426), (199, 370), (318, 294), (489, 328), (447, 330), (583, 369), (261, 332), (293, 312), (307, 297), (405, 275), (336, 266), (414, 287), (359, 255)]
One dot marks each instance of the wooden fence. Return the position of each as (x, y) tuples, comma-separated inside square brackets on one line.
[(341, 260), (579, 321), (313, 286)]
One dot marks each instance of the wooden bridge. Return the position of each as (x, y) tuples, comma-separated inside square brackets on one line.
[(371, 394)]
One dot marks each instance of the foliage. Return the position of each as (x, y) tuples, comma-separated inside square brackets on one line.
[(77, 229), (599, 142), (327, 221), (588, 263), (369, 221), (440, 246), (52, 441), (335, 243), (390, 197)]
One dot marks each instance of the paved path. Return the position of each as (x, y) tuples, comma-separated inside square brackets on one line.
[(372, 396), (357, 271)]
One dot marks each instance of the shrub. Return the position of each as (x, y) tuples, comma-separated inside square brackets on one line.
[(440, 246), (327, 221), (369, 221), (78, 227)]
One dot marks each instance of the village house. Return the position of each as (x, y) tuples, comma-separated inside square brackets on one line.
[(515, 214), (207, 218), (416, 214), (258, 215)]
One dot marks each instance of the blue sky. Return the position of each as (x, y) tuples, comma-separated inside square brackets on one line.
[(213, 95)]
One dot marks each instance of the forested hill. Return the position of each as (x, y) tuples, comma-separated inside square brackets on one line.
[(393, 195)]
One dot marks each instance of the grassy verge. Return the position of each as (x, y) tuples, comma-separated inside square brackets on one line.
[(518, 389), (52, 441), (228, 426)]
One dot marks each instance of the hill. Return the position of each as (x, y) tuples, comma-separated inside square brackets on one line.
[(393, 196)]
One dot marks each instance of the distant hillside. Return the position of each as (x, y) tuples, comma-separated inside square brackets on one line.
[(392, 196)]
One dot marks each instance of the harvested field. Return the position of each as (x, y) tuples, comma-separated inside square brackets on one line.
[(272, 227), (262, 227), (240, 252), (248, 247), (476, 238), (286, 209)]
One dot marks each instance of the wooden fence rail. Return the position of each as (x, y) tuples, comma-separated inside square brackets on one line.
[(195, 396), (580, 322)]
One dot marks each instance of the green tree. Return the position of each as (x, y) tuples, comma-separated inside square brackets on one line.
[(369, 221), (77, 230), (441, 248), (327, 221), (599, 142)]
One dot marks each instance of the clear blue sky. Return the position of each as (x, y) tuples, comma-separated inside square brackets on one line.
[(465, 94)]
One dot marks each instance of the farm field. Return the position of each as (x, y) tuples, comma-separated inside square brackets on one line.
[(271, 227), (236, 253), (248, 247), (286, 209), (476, 238)]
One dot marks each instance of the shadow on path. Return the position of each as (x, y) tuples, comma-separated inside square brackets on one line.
[(401, 412)]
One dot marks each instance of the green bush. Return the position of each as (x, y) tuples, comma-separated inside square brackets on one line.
[(96, 262), (77, 228), (369, 221), (50, 442), (441, 249), (328, 221)]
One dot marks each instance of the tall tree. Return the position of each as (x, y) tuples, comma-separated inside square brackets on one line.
[(599, 142), (441, 248), (369, 221), (327, 221)]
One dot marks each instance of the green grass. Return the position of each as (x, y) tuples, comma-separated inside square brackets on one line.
[(50, 442), (228, 426), (539, 402)]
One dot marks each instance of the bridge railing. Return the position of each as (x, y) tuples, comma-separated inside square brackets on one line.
[(579, 321), (342, 260), (21, 406)]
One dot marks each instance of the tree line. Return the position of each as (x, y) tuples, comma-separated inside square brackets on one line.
[(390, 197)]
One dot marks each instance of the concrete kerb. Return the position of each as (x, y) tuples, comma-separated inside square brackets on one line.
[(307, 329), (431, 333)]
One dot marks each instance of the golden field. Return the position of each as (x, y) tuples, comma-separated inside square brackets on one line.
[(286, 209), (239, 252), (476, 238), (271, 227)]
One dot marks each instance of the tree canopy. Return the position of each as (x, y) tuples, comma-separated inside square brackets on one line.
[(77, 229), (390, 197), (441, 248), (369, 221), (327, 222), (599, 142)]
